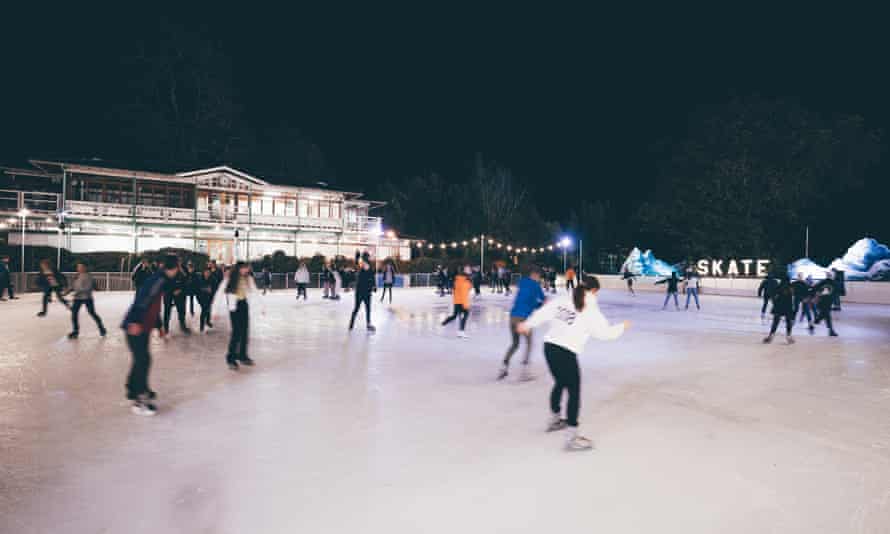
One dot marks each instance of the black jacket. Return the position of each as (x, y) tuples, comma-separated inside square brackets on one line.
[(365, 283), (767, 287), (783, 299), (671, 282)]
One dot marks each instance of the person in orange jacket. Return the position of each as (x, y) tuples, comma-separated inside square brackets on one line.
[(570, 279), (461, 296)]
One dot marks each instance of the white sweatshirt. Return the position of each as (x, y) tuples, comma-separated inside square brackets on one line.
[(229, 301), (571, 329), (302, 276)]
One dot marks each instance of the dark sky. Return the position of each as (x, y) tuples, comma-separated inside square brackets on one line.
[(556, 95)]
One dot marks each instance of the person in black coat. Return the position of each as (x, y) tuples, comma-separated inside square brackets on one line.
[(823, 297), (6, 279), (672, 288), (783, 307), (50, 281), (765, 291), (204, 287), (141, 273), (364, 286), (176, 297), (840, 288)]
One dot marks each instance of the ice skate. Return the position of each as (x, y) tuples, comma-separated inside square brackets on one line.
[(72, 335), (526, 375), (246, 361), (789, 340), (143, 408), (41, 314), (502, 374), (462, 335), (578, 443), (768, 339), (832, 334), (556, 424), (103, 332), (371, 329)]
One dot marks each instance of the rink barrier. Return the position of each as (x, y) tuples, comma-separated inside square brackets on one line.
[(857, 292)]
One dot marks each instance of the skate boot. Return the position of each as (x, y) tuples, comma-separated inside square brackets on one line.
[(72, 335), (768, 339), (578, 443), (556, 424), (247, 361), (832, 333), (41, 314), (232, 363), (371, 329), (462, 335), (502, 374), (789, 340), (146, 409), (103, 332)]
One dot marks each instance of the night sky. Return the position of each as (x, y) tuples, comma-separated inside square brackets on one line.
[(558, 96)]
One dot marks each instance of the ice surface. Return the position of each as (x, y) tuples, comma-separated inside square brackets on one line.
[(646, 264), (699, 428)]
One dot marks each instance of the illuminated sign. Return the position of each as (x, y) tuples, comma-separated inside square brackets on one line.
[(732, 268)]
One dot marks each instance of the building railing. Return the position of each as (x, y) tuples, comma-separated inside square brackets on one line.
[(34, 201)]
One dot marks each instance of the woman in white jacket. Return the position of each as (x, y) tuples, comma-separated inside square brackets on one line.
[(575, 320), (301, 277), (239, 293)]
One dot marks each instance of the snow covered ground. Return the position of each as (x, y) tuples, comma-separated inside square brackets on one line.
[(699, 428)]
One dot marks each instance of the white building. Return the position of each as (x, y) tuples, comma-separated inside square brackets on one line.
[(222, 212)]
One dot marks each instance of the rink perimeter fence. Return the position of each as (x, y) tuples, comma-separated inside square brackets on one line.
[(858, 292)]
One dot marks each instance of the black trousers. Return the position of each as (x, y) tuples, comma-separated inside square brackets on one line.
[(563, 366), (359, 300), (477, 287), (570, 284), (385, 287), (137, 380), (765, 304), (191, 298), (301, 290), (789, 322), (824, 313), (75, 311), (205, 302), (47, 293), (238, 339), (514, 322), (459, 311), (179, 302), (9, 289)]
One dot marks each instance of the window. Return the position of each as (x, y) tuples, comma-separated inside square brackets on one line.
[(335, 210), (279, 207), (290, 208), (308, 208), (324, 209)]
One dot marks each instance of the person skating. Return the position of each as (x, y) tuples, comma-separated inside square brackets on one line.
[(50, 281), (823, 297), (6, 279), (800, 289), (364, 286), (570, 279), (765, 291), (266, 279), (840, 288), (493, 278), (176, 297), (216, 279), (204, 287), (389, 278), (141, 273), (301, 277), (529, 298), (672, 283), (552, 277), (83, 296), (461, 299), (239, 294), (783, 307), (141, 318), (508, 278), (574, 319), (477, 280), (193, 279), (692, 284)]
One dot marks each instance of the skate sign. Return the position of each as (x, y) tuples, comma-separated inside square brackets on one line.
[(732, 268)]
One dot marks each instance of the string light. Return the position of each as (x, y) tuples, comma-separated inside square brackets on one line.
[(474, 240)]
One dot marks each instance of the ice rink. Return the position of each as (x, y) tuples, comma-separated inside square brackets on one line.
[(699, 428)]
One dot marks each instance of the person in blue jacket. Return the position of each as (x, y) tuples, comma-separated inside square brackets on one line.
[(529, 298)]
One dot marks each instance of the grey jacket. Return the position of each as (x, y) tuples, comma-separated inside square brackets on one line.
[(83, 286)]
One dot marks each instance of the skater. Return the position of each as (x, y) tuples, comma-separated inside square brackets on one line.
[(204, 287), (141, 273), (477, 280), (840, 288), (672, 284), (575, 318), (629, 277), (529, 298), (176, 297), (364, 286), (6, 279), (800, 288), (692, 284), (389, 278), (216, 279), (493, 278), (552, 277), (266, 280), (461, 299), (301, 277), (141, 317), (193, 279), (508, 277), (239, 293), (83, 296), (50, 281), (441, 280), (823, 298), (783, 307), (765, 291), (570, 279)]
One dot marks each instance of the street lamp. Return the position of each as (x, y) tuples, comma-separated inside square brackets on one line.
[(23, 214), (564, 243)]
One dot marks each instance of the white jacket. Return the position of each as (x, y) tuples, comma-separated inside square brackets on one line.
[(571, 329), (230, 300), (302, 276)]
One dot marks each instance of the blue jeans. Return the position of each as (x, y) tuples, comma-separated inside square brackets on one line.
[(692, 292), (668, 297)]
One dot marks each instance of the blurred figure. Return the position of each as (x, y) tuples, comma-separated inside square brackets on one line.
[(176, 297), (461, 298), (239, 292), (570, 279), (389, 278), (364, 286), (301, 277), (529, 298), (50, 281), (6, 279), (83, 286), (141, 273), (765, 291), (783, 308), (692, 283), (672, 283), (204, 287), (266, 280)]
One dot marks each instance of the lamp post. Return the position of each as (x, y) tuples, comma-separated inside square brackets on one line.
[(23, 213), (564, 243)]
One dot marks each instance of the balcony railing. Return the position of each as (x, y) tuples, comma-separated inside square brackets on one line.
[(34, 201)]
